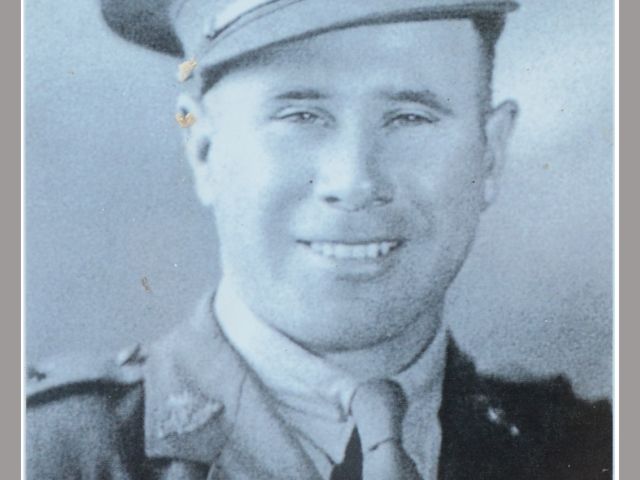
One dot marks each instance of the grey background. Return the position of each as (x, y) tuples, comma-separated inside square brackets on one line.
[(10, 242), (108, 196)]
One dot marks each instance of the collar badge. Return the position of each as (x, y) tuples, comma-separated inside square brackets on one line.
[(186, 413)]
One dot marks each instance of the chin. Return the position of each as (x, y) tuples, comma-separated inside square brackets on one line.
[(342, 325)]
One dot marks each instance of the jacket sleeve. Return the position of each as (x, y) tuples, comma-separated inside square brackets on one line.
[(580, 443), (586, 452), (77, 413), (70, 437)]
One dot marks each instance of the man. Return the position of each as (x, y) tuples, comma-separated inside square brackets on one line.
[(347, 151)]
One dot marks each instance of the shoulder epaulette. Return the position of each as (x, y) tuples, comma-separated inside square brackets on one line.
[(65, 371)]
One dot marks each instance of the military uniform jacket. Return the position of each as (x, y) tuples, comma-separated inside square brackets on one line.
[(190, 408)]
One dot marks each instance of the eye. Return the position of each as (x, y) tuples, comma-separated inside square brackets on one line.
[(303, 117), (411, 119)]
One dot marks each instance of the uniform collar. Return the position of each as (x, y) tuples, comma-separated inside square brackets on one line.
[(202, 404), (188, 408)]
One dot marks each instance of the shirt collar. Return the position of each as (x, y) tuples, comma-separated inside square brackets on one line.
[(309, 386), (296, 376)]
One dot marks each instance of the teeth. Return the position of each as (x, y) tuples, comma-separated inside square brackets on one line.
[(359, 251), (341, 251), (316, 247)]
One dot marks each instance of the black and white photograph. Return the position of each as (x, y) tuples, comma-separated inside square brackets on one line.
[(318, 239)]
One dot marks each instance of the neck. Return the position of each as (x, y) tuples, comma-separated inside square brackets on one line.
[(393, 355)]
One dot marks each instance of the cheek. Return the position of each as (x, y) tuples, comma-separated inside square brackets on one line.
[(448, 170), (445, 188), (258, 179)]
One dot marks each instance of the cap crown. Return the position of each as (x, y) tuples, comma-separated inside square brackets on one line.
[(222, 29)]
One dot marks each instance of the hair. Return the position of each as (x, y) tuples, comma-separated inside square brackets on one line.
[(488, 26)]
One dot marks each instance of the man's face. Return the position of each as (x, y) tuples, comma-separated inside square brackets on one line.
[(346, 174)]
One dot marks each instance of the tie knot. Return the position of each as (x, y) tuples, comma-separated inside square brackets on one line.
[(378, 408)]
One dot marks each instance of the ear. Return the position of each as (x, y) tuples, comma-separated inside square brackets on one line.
[(197, 145), (498, 127)]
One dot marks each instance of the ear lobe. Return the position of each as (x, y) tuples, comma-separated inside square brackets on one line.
[(498, 128), (197, 144)]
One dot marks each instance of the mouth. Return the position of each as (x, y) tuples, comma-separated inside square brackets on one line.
[(353, 251)]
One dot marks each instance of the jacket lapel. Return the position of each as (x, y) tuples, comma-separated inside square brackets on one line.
[(479, 440), (261, 446), (203, 405)]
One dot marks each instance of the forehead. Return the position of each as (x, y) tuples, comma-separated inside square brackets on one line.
[(444, 56)]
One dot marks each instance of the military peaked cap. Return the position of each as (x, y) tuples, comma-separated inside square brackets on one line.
[(214, 31)]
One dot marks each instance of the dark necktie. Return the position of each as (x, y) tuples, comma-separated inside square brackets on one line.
[(351, 466), (378, 408)]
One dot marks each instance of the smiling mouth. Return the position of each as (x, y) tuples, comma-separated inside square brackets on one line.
[(353, 251)]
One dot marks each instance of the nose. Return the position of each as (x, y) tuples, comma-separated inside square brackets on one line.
[(350, 175)]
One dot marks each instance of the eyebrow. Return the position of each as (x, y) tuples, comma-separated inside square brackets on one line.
[(424, 97), (302, 94)]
